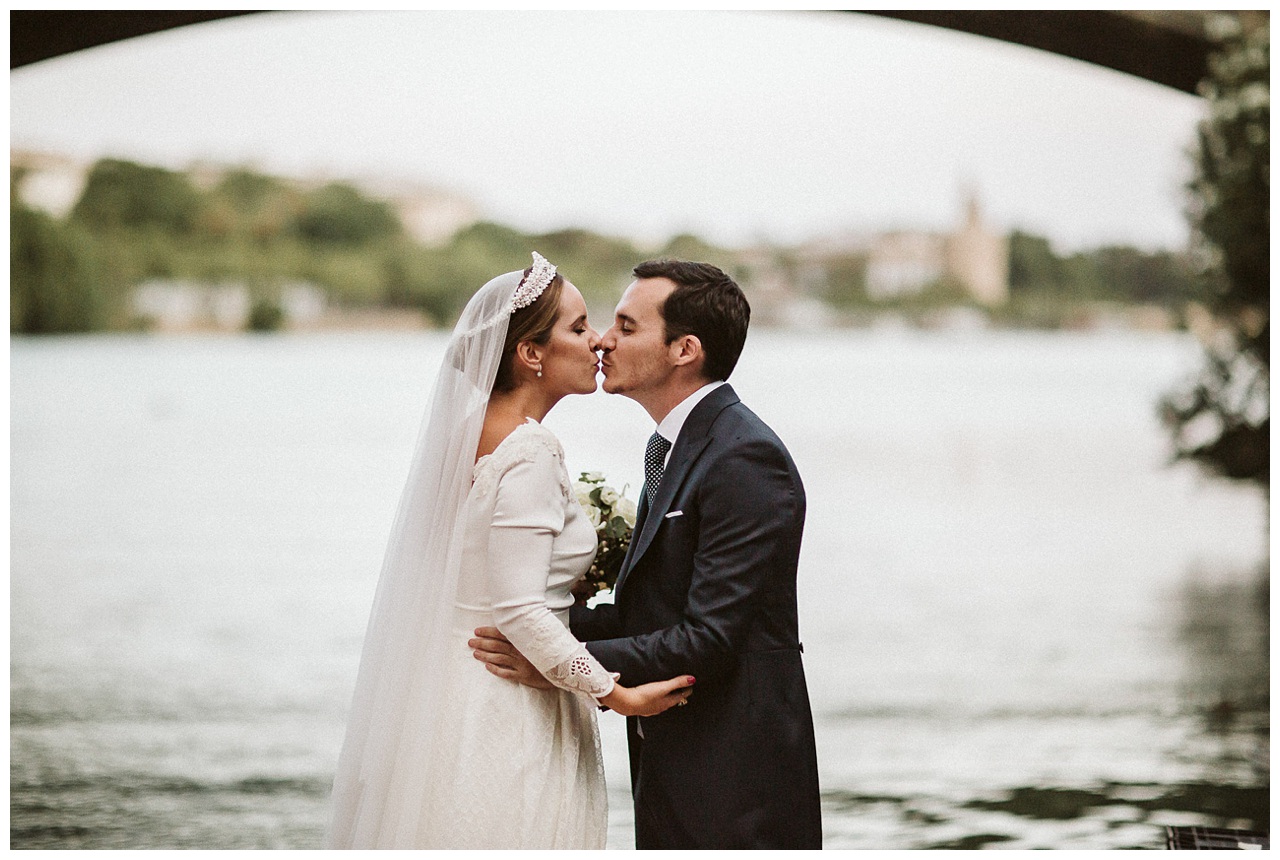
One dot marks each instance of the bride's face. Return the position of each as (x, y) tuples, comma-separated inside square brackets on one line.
[(570, 362)]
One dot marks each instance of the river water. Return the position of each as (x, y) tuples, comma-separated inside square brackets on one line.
[(1022, 628)]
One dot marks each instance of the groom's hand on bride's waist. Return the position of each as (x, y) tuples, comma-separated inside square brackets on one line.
[(501, 658)]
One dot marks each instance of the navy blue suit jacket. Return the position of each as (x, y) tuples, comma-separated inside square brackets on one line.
[(708, 588)]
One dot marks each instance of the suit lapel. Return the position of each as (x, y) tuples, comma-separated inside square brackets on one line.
[(642, 516), (694, 438)]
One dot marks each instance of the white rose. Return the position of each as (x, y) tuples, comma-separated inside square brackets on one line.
[(626, 509), (593, 477), (593, 515), (583, 492), (608, 496)]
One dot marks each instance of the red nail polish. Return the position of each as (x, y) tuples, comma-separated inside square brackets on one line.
[(692, 679)]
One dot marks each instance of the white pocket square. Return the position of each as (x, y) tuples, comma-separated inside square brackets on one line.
[(673, 514)]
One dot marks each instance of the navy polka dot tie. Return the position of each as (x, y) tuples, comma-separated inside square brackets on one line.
[(655, 454)]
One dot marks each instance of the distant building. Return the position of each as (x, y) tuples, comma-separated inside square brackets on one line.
[(51, 183), (767, 287), (906, 262), (433, 217), (978, 257), (179, 306), (187, 306), (429, 214)]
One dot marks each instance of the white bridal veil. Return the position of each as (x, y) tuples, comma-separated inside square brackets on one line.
[(392, 730)]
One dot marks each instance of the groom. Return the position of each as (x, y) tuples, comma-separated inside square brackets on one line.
[(708, 587)]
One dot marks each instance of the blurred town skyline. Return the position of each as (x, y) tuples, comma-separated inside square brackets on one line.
[(210, 243), (783, 127)]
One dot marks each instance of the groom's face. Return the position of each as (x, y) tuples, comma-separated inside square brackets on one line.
[(635, 352)]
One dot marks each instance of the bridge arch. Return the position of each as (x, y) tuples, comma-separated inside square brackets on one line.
[(1168, 48)]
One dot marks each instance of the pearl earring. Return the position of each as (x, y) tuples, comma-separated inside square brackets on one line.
[(539, 372)]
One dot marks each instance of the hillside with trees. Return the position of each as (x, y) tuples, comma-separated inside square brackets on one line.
[(135, 223)]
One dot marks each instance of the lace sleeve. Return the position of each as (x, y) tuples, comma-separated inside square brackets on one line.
[(528, 515), (579, 673)]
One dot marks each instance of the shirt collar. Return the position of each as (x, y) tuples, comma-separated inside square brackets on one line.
[(669, 428)]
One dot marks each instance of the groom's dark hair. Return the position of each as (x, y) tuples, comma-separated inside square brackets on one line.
[(707, 304)]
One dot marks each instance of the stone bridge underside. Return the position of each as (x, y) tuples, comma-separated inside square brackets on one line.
[(1169, 48)]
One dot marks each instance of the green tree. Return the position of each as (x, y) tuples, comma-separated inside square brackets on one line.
[(1133, 275), (1033, 266), (265, 315), (53, 275), (687, 246), (1221, 419), (249, 207), (1036, 270), (122, 194), (1112, 272), (247, 191), (600, 266), (339, 215), (429, 280), (845, 284), (504, 246)]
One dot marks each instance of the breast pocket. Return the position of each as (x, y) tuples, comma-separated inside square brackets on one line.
[(678, 530), (671, 555)]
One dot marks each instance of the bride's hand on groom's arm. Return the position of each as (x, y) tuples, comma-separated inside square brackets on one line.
[(501, 658), (648, 700)]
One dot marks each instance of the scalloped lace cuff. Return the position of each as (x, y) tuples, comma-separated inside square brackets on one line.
[(582, 673)]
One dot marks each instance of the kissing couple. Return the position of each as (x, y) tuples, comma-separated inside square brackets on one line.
[(473, 723)]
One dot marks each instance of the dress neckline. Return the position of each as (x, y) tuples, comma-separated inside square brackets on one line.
[(527, 422)]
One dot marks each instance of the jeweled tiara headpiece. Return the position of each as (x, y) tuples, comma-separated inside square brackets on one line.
[(534, 284), (540, 276)]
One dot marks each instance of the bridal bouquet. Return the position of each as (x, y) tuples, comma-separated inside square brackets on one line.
[(614, 516)]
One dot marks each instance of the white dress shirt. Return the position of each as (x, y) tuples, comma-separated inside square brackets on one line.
[(670, 426)]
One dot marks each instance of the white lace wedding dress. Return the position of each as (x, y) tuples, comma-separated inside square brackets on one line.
[(526, 770)]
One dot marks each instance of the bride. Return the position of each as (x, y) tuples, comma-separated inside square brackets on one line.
[(488, 533)]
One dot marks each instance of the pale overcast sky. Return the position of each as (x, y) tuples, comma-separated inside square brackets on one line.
[(734, 125)]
